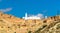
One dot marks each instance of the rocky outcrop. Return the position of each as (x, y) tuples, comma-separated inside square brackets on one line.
[(12, 24)]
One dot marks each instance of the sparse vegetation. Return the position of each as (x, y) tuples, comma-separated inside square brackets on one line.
[(29, 31), (12, 25)]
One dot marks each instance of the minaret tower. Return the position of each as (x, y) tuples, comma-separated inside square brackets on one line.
[(25, 14)]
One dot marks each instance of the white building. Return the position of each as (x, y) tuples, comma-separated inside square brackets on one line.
[(39, 16)]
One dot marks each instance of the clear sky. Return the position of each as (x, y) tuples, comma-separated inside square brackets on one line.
[(19, 7)]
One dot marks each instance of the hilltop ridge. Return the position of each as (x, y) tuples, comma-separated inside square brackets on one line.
[(12, 24)]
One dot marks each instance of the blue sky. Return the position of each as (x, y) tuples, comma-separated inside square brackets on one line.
[(19, 7)]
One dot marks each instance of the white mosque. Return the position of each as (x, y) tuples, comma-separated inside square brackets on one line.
[(38, 16)]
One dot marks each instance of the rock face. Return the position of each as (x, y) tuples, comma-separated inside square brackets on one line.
[(11, 24)]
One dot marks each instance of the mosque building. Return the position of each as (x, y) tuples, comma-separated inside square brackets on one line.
[(38, 16)]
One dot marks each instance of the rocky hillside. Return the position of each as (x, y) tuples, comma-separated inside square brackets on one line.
[(12, 24)]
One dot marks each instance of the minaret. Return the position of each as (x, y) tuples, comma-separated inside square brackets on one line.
[(25, 14)]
